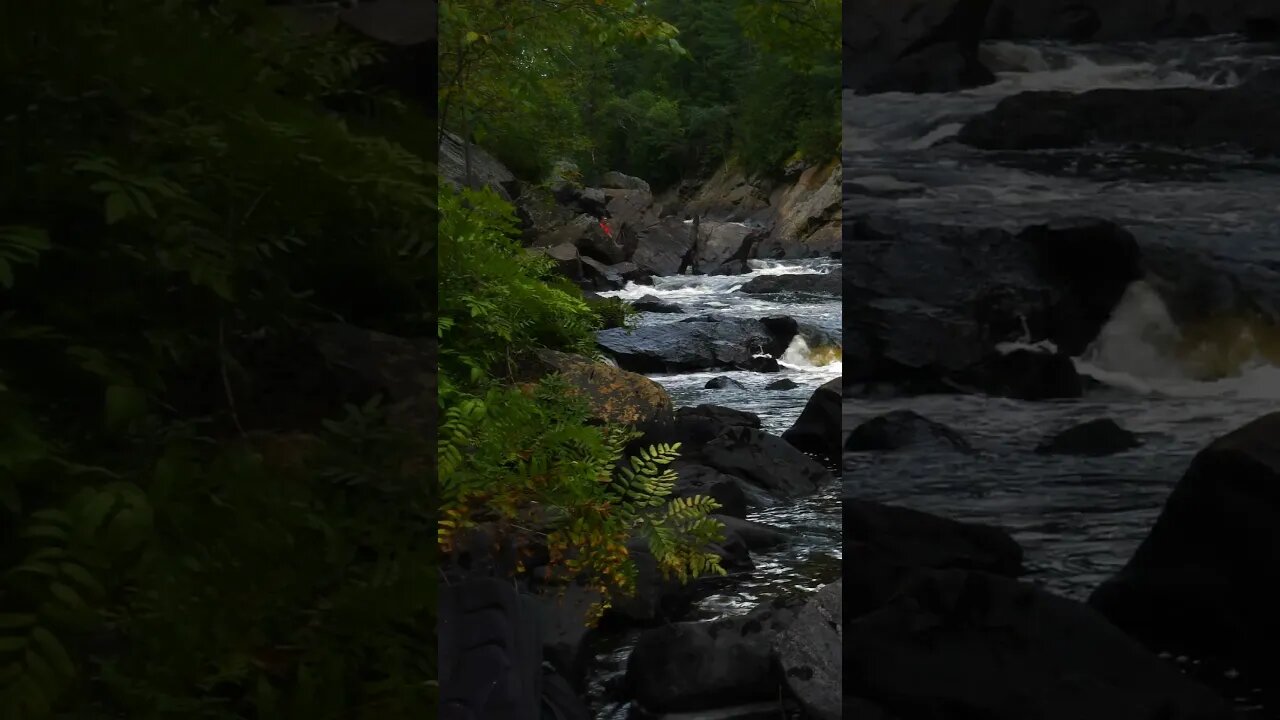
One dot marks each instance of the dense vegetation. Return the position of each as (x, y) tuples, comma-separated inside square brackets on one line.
[(174, 190), (665, 89)]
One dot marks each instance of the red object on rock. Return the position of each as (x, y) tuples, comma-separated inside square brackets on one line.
[(605, 227)]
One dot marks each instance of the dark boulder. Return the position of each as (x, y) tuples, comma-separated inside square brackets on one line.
[(655, 304), (659, 598), (664, 247), (705, 342), (486, 170), (723, 382), (764, 461), (1202, 581), (783, 384), (722, 248), (1245, 117), (957, 643), (808, 283), (694, 479), (704, 666), (817, 430), (598, 276), (1096, 437), (927, 306), (809, 653), (613, 395), (901, 429), (921, 46), (756, 536)]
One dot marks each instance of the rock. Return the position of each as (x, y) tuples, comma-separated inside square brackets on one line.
[(756, 536), (806, 222), (885, 186), (722, 382), (724, 417), (729, 195), (664, 247), (901, 429), (1201, 582), (568, 260), (783, 384), (1246, 117), (704, 342), (661, 599), (1111, 20), (614, 395), (611, 310), (921, 46), (1025, 374), (655, 304), (562, 619), (957, 643), (598, 276), (765, 461), (694, 479), (808, 283), (809, 654), (1096, 437), (926, 305), (884, 544), (616, 180), (817, 430), (722, 248), (579, 200), (486, 171), (702, 666)]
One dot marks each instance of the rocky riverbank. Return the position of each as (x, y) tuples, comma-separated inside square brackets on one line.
[(1061, 297)]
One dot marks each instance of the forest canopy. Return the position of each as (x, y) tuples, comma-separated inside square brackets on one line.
[(664, 89)]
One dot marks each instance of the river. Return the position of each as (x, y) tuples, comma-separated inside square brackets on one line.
[(812, 558), (1078, 519)]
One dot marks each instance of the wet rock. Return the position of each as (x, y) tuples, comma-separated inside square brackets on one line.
[(1200, 583), (783, 384), (598, 276), (705, 342), (809, 654), (884, 544), (923, 46), (1096, 437), (723, 382), (927, 305), (661, 599), (1246, 117), (694, 479), (562, 613), (957, 643), (901, 429), (817, 430), (810, 283), (655, 304), (704, 666), (756, 536), (764, 461)]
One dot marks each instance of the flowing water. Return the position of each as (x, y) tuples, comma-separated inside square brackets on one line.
[(1079, 519), (812, 558)]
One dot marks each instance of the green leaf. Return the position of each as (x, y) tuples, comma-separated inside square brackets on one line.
[(16, 621), (122, 404), (68, 596), (470, 37), (53, 650), (117, 207)]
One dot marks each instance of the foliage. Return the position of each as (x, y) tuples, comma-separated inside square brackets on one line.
[(164, 556), (525, 460)]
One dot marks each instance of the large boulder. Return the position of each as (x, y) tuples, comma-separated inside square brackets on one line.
[(614, 395), (664, 247), (916, 46), (764, 461), (806, 283), (817, 430), (1202, 581), (957, 643), (705, 342), (723, 248), (1245, 117), (1103, 436), (902, 429), (809, 653), (730, 195), (928, 307), (486, 170), (698, 667)]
